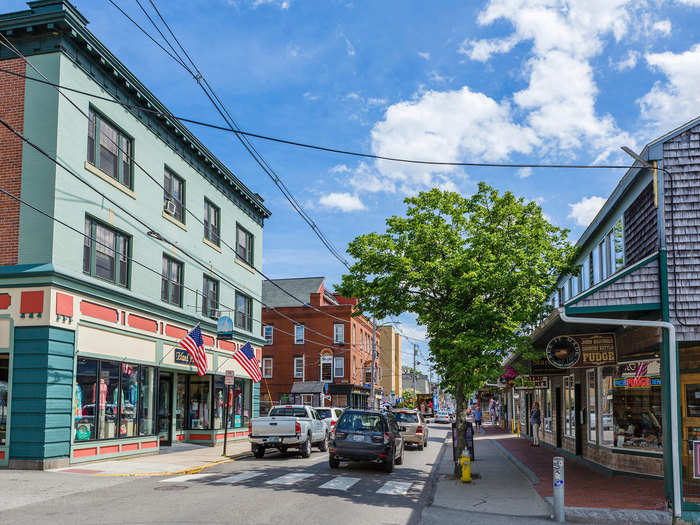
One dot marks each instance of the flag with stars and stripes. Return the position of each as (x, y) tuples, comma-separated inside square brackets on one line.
[(194, 344), (245, 356)]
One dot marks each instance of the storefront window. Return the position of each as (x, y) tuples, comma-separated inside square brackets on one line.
[(567, 408), (637, 405), (147, 401), (219, 402), (547, 410), (199, 402), (85, 423), (4, 359), (240, 403), (180, 402), (129, 395), (592, 412), (606, 406), (107, 393)]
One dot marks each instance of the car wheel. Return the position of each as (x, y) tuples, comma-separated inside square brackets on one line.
[(323, 445), (305, 449), (283, 450), (259, 452), (399, 460), (389, 463), (333, 461)]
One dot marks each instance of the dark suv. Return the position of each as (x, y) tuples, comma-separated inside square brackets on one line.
[(367, 435)]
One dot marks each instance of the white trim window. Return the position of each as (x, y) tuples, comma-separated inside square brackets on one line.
[(299, 367), (339, 333), (268, 331), (339, 366), (298, 334), (354, 332), (267, 367), (326, 368)]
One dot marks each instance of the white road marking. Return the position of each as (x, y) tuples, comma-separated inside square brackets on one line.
[(340, 483), (397, 488), (186, 477), (289, 479), (237, 478)]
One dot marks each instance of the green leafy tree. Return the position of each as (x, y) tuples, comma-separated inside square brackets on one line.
[(477, 272)]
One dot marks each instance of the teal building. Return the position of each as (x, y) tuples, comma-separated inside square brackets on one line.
[(130, 233)]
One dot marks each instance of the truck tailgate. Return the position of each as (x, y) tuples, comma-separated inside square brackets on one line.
[(273, 426)]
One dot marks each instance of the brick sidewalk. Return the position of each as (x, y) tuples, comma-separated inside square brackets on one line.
[(585, 486)]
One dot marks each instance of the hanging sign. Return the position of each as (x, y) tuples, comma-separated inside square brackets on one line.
[(581, 351), (224, 328), (182, 356)]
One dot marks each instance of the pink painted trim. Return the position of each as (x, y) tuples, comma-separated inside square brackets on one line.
[(98, 311), (84, 452)]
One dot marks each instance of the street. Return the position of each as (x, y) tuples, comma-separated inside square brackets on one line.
[(276, 489)]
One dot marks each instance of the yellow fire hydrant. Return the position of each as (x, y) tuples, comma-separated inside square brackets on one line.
[(466, 463)]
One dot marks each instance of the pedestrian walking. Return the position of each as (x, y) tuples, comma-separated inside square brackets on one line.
[(535, 420), (477, 418)]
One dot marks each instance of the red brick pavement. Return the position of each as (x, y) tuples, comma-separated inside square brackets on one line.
[(585, 487)]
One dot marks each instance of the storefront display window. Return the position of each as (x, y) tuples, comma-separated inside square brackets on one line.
[(606, 406), (129, 394), (569, 410), (547, 410), (219, 402), (200, 402), (147, 401), (4, 359), (180, 402), (591, 380), (108, 405), (637, 405), (242, 405)]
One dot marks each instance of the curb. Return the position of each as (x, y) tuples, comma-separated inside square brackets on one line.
[(182, 472), (603, 515), (519, 464)]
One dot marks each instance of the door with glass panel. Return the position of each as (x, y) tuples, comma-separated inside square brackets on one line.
[(690, 410), (165, 409)]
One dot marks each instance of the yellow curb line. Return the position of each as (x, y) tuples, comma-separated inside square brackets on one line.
[(193, 470)]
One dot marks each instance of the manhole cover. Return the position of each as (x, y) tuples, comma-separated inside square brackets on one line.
[(172, 487)]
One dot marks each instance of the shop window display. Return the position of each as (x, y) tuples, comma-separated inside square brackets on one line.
[(607, 435), (547, 412), (239, 403), (219, 402), (129, 394), (637, 405), (108, 400), (199, 402), (181, 402), (147, 401), (591, 379), (4, 360)]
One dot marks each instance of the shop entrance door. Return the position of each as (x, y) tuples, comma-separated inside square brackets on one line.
[(557, 411), (690, 417), (165, 409), (578, 411)]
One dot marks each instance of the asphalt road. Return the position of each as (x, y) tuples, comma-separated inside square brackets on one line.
[(278, 489)]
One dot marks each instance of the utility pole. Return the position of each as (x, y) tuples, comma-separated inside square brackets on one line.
[(374, 357), (415, 353)]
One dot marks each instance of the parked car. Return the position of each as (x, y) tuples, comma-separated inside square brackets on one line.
[(367, 435), (289, 426), (416, 430), (330, 415), (442, 416)]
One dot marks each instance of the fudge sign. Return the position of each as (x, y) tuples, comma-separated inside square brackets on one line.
[(582, 351)]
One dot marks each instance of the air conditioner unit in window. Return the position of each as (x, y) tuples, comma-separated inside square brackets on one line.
[(169, 207)]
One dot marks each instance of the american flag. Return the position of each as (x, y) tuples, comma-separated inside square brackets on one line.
[(246, 358), (194, 344), (126, 369), (642, 368)]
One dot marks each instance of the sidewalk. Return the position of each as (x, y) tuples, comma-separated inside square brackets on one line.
[(189, 460)]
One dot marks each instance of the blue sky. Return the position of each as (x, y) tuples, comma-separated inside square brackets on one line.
[(499, 80)]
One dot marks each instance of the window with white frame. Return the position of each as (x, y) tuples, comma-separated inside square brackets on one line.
[(353, 333), (298, 334), (267, 367), (326, 368), (268, 331), (585, 275), (299, 367), (597, 271), (339, 333), (602, 260), (569, 421), (592, 383), (339, 366), (368, 375), (307, 399)]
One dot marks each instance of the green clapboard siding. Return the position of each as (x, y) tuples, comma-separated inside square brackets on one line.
[(256, 399), (42, 382)]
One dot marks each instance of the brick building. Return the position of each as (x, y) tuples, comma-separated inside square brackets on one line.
[(311, 357), (390, 362)]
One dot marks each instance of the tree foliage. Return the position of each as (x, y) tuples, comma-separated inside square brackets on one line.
[(477, 272)]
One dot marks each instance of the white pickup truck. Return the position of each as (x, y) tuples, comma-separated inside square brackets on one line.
[(289, 426)]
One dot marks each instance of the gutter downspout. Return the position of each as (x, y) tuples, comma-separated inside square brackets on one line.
[(673, 373)]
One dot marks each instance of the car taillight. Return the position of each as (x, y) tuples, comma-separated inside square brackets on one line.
[(387, 438), (419, 429), (297, 427), (250, 428), (332, 423)]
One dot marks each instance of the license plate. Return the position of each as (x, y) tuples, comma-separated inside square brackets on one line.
[(358, 437), (273, 439)]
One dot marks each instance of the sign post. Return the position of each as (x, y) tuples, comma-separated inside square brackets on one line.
[(558, 482), (229, 381)]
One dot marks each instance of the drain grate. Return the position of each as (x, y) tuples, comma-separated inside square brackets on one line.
[(171, 487)]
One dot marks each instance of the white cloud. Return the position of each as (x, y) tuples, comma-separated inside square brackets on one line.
[(424, 55), (585, 210), (352, 96), (349, 48), (282, 4), (524, 173), (436, 77), (310, 96), (483, 50), (373, 101), (677, 100), (345, 202), (340, 168), (690, 2), (629, 62), (662, 26)]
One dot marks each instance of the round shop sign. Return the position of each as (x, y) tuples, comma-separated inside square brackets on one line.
[(563, 351)]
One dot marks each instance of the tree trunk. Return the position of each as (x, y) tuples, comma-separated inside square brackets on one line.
[(461, 420)]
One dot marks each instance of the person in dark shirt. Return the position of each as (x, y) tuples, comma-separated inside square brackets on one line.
[(535, 421)]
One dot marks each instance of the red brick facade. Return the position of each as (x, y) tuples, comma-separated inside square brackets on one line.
[(12, 112), (356, 353)]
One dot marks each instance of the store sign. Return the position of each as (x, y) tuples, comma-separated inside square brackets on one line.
[(638, 382), (581, 351), (224, 328), (183, 357), (649, 367), (230, 378), (542, 367)]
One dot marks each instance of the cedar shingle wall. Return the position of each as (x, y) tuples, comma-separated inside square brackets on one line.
[(682, 229), (641, 232), (639, 286)]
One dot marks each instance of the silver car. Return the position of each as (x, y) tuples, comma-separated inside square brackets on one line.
[(416, 430)]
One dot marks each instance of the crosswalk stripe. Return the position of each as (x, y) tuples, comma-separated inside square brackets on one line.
[(237, 478), (289, 479), (398, 488), (340, 483), (186, 477)]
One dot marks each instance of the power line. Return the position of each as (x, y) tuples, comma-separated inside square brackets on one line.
[(325, 148)]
